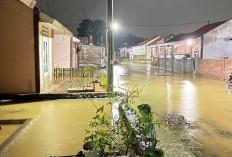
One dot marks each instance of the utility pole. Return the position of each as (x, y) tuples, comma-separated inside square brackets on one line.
[(110, 42)]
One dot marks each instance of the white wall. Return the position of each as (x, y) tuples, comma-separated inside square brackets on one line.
[(139, 50), (217, 43), (62, 51)]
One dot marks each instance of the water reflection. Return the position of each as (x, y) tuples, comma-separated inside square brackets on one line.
[(189, 101), (169, 100), (118, 71)]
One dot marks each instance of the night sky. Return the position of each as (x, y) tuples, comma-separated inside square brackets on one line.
[(167, 15)]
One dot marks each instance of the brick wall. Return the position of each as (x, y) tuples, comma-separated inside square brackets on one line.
[(216, 69)]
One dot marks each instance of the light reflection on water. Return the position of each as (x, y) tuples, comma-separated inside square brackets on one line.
[(169, 100), (189, 101)]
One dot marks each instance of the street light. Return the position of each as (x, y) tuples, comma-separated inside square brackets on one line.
[(115, 26), (110, 42), (189, 42)]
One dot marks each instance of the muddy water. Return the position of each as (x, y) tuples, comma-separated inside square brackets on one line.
[(7, 131), (58, 127), (206, 103)]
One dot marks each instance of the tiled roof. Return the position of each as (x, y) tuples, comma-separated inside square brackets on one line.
[(147, 41), (199, 32), (207, 28), (157, 39)]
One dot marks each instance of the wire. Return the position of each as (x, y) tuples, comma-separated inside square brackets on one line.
[(91, 20), (166, 25), (78, 4), (86, 32), (74, 11)]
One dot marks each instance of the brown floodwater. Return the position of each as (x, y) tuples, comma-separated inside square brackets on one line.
[(7, 131), (206, 103), (58, 127)]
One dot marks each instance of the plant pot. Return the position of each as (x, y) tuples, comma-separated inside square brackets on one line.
[(89, 150)]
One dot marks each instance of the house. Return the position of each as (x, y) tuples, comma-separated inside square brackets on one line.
[(188, 44), (66, 49), (218, 42), (126, 52), (143, 51), (171, 55), (91, 55), (216, 61), (155, 50), (28, 39)]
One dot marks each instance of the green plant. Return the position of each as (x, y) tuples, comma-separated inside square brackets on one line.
[(148, 131), (101, 131), (121, 135), (104, 81), (86, 71), (96, 70), (58, 70)]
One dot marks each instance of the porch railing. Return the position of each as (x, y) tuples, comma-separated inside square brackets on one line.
[(74, 72)]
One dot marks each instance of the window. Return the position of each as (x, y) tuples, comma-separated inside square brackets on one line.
[(45, 55)]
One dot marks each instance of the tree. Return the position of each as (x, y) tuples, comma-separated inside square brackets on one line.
[(96, 28), (127, 40)]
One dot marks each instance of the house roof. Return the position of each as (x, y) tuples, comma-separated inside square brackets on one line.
[(156, 40), (197, 33), (53, 23), (147, 41), (207, 28), (180, 37), (29, 3)]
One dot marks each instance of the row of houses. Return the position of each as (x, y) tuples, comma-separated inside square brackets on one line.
[(211, 44), (33, 44)]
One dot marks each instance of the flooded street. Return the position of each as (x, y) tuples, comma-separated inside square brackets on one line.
[(58, 127), (206, 103)]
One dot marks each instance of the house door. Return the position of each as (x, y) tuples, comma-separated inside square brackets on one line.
[(45, 56)]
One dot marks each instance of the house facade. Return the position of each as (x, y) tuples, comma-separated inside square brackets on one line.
[(216, 62), (178, 52), (188, 45), (56, 47), (143, 50), (66, 51), (126, 52), (91, 55)]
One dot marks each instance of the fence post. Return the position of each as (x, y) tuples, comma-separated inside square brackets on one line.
[(172, 57), (165, 51), (196, 64), (62, 72), (183, 65)]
